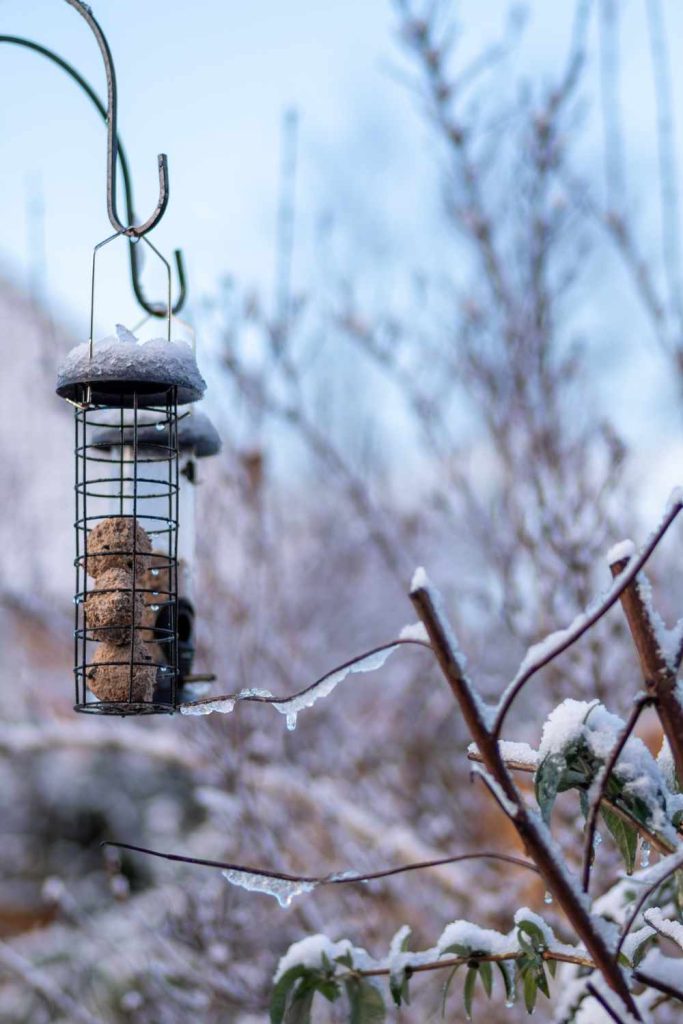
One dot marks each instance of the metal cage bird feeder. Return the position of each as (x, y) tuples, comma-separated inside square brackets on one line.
[(126, 635)]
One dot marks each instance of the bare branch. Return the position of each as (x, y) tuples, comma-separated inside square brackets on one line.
[(566, 638), (260, 698), (653, 982), (493, 958), (528, 826), (335, 878), (598, 996), (659, 676), (661, 872)]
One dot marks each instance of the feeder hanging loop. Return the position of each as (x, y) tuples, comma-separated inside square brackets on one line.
[(130, 230)]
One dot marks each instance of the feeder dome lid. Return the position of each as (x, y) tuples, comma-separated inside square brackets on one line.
[(196, 434), (121, 367)]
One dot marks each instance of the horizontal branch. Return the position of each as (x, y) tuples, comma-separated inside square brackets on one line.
[(264, 698), (653, 982), (335, 878), (490, 958)]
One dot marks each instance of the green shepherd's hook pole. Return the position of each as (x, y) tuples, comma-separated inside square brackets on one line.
[(116, 153)]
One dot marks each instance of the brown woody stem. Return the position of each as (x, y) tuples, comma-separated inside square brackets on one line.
[(659, 676), (528, 826)]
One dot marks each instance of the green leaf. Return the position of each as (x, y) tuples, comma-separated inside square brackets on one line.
[(547, 782), (535, 934), (299, 1010), (530, 991), (486, 973), (278, 1000), (468, 992), (366, 1002), (542, 981), (508, 980), (625, 836), (399, 986), (446, 989)]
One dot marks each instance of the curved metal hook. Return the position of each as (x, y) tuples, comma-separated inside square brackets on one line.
[(132, 230), (156, 309)]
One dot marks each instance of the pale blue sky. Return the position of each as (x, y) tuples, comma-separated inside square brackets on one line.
[(207, 83)]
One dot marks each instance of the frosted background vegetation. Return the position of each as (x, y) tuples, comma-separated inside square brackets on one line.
[(476, 369)]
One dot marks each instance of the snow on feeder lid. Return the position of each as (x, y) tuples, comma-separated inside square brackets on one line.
[(115, 369)]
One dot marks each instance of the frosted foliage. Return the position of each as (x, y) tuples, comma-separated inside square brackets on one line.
[(464, 933), (309, 952), (636, 768), (282, 889)]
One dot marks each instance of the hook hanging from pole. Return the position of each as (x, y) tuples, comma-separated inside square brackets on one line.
[(131, 230)]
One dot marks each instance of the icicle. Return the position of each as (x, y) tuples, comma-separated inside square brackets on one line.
[(223, 706), (548, 898), (645, 855), (597, 840), (282, 889)]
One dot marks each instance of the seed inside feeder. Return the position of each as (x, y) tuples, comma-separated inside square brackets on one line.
[(110, 546), (109, 676), (109, 607)]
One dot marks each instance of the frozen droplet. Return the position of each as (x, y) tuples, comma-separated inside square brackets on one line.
[(548, 898), (155, 572), (154, 607), (645, 855), (597, 839), (291, 721), (155, 593), (159, 426), (509, 1003)]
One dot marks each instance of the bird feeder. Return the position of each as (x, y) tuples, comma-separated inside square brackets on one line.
[(126, 636), (197, 439)]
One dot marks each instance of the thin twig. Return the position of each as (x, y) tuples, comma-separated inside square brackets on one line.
[(592, 817), (491, 958), (586, 621), (590, 987), (263, 699), (661, 877), (647, 979), (335, 878)]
